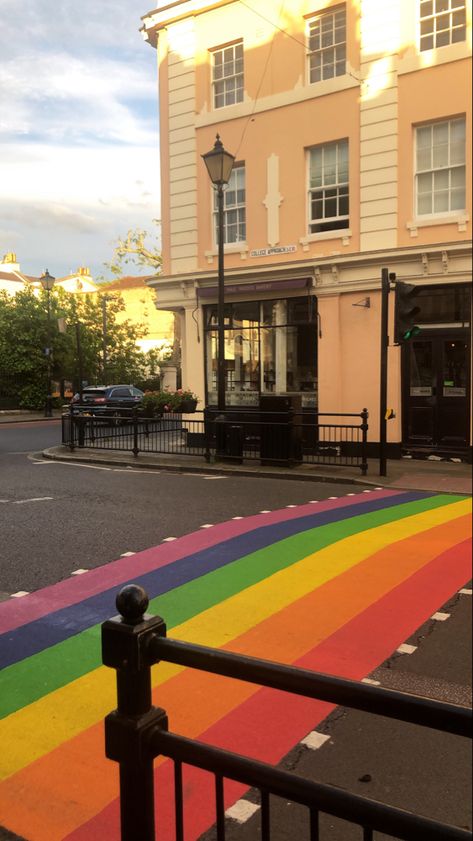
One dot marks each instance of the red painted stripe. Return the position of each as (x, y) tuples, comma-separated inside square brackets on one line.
[(270, 723), (16, 612)]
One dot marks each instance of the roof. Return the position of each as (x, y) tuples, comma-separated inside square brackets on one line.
[(10, 276), (129, 282)]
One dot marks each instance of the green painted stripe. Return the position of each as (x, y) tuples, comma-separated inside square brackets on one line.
[(30, 679)]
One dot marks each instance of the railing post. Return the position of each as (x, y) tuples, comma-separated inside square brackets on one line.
[(125, 641), (364, 441), (71, 427), (136, 449)]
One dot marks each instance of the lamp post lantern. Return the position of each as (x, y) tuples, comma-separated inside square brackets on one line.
[(219, 165), (47, 282)]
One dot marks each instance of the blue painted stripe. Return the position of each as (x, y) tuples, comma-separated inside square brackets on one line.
[(55, 627)]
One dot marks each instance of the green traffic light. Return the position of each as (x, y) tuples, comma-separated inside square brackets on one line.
[(414, 331)]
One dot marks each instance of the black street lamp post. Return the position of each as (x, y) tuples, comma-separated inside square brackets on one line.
[(219, 165), (47, 282)]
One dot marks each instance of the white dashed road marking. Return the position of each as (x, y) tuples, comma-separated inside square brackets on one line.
[(371, 682), (79, 571), (20, 594), (33, 499), (207, 526), (168, 539), (127, 554), (315, 740), (405, 648), (241, 811), (466, 591), (441, 617)]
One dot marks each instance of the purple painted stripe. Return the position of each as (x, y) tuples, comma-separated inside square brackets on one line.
[(16, 612)]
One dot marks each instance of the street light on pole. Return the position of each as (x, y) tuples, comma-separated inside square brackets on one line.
[(219, 165), (47, 282)]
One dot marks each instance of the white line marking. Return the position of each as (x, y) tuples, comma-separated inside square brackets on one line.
[(215, 477), (367, 491), (237, 518), (79, 571), (242, 811), (291, 506), (370, 681), (333, 497), (315, 740), (379, 489), (207, 526), (466, 591), (168, 539), (127, 554), (42, 462), (78, 464), (265, 511), (33, 499), (313, 501), (128, 470), (405, 648), (440, 617), (20, 594), (351, 494)]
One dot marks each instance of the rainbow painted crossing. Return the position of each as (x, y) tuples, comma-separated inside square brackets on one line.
[(334, 586)]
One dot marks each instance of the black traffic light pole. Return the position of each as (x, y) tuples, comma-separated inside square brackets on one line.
[(383, 379)]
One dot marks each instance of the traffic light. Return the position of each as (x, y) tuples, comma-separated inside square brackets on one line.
[(405, 312)]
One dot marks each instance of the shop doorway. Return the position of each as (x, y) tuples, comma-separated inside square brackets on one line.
[(436, 392)]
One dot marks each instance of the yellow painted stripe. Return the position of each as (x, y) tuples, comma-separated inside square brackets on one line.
[(39, 728)]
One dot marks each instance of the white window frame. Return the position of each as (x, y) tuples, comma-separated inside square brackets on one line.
[(328, 51), (332, 222), (449, 168), (237, 207), (229, 84), (436, 20)]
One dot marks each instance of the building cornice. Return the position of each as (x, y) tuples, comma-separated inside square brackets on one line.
[(168, 13)]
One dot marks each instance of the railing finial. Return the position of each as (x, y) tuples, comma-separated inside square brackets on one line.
[(132, 602)]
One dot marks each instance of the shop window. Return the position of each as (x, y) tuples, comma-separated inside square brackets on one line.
[(227, 75), (442, 22), (234, 208), (327, 45), (440, 167), (270, 348), (328, 187)]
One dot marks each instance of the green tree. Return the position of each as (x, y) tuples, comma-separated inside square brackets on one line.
[(136, 249), (25, 332)]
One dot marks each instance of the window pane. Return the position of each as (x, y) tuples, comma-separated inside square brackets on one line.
[(458, 176), (441, 202), (424, 182), (427, 42), (441, 179), (459, 35), (424, 204), (442, 39), (424, 137), (441, 155), (426, 7), (441, 6), (458, 199)]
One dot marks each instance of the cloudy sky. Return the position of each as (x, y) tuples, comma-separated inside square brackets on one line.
[(79, 137)]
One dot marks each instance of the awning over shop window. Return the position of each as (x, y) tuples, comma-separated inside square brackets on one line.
[(257, 287)]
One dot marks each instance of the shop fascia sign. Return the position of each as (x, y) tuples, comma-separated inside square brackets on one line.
[(276, 249)]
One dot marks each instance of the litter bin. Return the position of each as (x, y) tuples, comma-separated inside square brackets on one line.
[(233, 443), (280, 435)]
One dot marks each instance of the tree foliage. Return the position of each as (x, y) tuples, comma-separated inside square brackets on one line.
[(26, 332), (134, 248)]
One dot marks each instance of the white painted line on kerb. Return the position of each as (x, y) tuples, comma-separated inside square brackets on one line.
[(466, 591), (207, 526), (370, 681), (33, 499), (315, 740), (79, 571), (20, 594), (405, 648), (127, 554), (440, 617), (242, 811), (168, 539)]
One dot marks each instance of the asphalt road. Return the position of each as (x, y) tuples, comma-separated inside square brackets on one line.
[(56, 518)]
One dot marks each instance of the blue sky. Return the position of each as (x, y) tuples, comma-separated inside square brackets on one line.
[(79, 140)]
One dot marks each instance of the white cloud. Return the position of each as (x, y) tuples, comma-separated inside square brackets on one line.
[(78, 124)]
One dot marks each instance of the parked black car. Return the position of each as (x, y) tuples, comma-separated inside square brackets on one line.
[(107, 401)]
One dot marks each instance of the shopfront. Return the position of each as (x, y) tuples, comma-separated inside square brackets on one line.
[(270, 349), (436, 373)]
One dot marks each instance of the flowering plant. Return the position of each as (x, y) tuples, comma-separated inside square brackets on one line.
[(157, 402)]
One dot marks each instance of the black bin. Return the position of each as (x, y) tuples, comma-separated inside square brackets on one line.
[(280, 432)]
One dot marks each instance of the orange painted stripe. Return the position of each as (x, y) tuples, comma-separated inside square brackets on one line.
[(197, 700)]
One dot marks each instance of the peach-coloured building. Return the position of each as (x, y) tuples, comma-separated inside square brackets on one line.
[(351, 128)]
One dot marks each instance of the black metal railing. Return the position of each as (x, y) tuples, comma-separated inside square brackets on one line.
[(136, 733), (276, 438)]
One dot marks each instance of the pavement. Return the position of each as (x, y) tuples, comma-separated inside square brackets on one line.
[(431, 474)]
